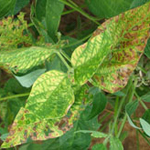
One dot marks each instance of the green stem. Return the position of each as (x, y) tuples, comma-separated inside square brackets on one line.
[(144, 137), (120, 106), (75, 43), (75, 7), (137, 139), (122, 126), (63, 60), (65, 55), (14, 96), (131, 94), (140, 100)]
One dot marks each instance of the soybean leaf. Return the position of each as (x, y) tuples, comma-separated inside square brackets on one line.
[(147, 49), (146, 116), (49, 101), (145, 126), (99, 147), (136, 3), (95, 134), (130, 109), (146, 97), (49, 13), (114, 72), (99, 104), (28, 79), (24, 59), (6, 7), (115, 144), (70, 140), (53, 91), (113, 50), (19, 5), (107, 8)]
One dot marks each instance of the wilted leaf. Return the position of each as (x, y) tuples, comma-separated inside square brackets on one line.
[(24, 59)]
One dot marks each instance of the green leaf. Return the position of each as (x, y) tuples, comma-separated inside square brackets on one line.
[(49, 13), (145, 126), (6, 7), (95, 134), (19, 5), (147, 49), (146, 97), (146, 116), (44, 114), (130, 109), (24, 59), (111, 52), (115, 144), (107, 8), (99, 147), (28, 79), (99, 104)]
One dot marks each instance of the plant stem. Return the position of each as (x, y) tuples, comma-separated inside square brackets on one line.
[(140, 100), (63, 60), (131, 94), (122, 125), (137, 139), (120, 106), (65, 55), (75, 7), (72, 44), (14, 96), (144, 137)]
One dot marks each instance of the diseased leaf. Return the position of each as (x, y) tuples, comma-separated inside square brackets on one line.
[(44, 115), (115, 70), (53, 91), (14, 33), (113, 51), (24, 59)]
